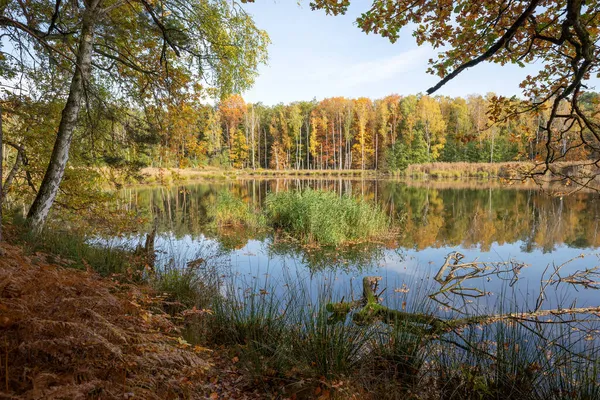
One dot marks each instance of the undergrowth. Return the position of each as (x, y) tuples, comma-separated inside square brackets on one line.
[(193, 285), (71, 247), (288, 344), (69, 334)]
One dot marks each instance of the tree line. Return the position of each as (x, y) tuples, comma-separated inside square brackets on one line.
[(341, 133)]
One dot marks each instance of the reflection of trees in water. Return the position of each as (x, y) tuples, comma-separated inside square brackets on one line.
[(432, 217), (471, 217), (359, 257)]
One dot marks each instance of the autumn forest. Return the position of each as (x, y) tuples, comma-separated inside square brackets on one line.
[(179, 220), (336, 133), (340, 133)]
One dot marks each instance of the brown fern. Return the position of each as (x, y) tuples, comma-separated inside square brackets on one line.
[(68, 334)]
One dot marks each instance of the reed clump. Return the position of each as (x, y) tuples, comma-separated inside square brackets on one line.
[(229, 210), (325, 218)]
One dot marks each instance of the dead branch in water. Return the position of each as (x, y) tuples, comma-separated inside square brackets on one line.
[(454, 273), (451, 276)]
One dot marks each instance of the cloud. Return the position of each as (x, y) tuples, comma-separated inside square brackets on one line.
[(340, 75), (303, 75)]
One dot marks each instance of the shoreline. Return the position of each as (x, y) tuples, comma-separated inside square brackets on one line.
[(500, 175)]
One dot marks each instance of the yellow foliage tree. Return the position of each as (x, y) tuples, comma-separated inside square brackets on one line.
[(431, 121), (239, 149)]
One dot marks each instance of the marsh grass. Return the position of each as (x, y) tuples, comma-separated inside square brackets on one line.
[(325, 217), (496, 362), (184, 288), (284, 339), (229, 210), (288, 344), (312, 216), (505, 170), (73, 249)]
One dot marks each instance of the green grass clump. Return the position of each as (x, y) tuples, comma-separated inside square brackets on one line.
[(185, 287), (229, 210), (283, 338), (75, 250), (325, 217)]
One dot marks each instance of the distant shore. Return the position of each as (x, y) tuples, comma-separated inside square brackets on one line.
[(566, 173)]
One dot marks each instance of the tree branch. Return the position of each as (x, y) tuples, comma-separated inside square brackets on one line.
[(500, 43)]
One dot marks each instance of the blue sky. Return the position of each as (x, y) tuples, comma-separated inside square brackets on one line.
[(315, 55)]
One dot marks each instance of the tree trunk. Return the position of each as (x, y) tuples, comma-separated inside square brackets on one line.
[(492, 148), (1, 171), (5, 187), (252, 132), (307, 144), (376, 150), (341, 147), (46, 195), (332, 145), (429, 326), (362, 149)]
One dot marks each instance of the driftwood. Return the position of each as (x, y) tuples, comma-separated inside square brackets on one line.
[(454, 276)]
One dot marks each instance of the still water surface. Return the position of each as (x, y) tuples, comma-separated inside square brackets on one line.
[(484, 221)]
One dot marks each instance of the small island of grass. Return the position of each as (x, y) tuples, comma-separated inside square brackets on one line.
[(311, 217), (325, 218)]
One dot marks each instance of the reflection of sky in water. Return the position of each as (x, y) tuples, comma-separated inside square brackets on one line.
[(255, 266)]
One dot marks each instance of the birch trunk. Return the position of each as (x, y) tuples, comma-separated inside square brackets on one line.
[(46, 195)]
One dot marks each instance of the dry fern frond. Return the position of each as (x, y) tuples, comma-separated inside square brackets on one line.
[(71, 334)]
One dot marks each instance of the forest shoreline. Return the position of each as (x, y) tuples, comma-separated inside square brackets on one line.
[(517, 172)]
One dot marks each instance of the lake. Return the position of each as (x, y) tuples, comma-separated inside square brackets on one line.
[(484, 221)]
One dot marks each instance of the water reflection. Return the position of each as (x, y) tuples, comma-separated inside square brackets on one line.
[(430, 217), (488, 224)]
